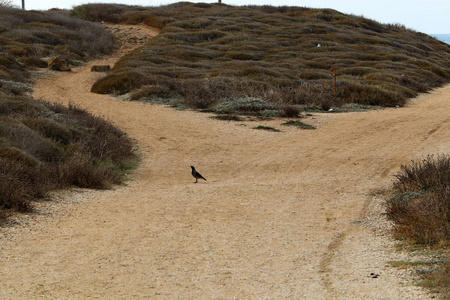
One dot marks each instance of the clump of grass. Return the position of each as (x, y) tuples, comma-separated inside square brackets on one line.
[(45, 146), (299, 124), (420, 212), (31, 36), (267, 128), (271, 54)]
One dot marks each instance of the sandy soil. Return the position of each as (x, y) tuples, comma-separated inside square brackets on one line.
[(288, 215)]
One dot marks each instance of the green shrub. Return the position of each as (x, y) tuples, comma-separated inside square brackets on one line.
[(244, 105), (299, 124), (267, 128), (44, 146)]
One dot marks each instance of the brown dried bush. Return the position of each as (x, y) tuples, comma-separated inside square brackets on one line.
[(420, 207), (45, 146)]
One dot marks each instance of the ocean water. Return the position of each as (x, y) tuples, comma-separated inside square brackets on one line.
[(443, 37)]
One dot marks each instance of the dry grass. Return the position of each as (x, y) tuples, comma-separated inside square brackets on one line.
[(271, 53), (47, 146), (420, 212)]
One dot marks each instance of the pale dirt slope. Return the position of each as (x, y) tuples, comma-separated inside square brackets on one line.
[(282, 215)]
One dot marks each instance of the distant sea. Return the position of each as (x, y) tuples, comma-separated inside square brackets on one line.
[(443, 37)]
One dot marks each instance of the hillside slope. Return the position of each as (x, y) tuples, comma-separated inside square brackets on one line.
[(45, 146), (282, 215), (210, 53)]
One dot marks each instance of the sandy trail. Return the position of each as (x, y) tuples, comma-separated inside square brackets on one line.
[(282, 215)]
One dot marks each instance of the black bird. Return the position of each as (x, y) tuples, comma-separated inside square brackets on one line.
[(197, 175)]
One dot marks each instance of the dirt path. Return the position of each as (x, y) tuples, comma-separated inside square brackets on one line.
[(285, 215)]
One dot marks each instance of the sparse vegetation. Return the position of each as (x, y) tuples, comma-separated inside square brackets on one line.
[(420, 211), (261, 127), (47, 146), (433, 273), (207, 54)]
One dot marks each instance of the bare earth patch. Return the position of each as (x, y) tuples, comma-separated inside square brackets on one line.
[(283, 215)]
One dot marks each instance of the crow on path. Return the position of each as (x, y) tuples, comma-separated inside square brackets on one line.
[(197, 175)]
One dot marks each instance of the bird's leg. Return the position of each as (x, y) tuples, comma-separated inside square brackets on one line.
[(195, 180)]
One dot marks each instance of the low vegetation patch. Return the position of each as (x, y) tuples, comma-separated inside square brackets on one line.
[(299, 124), (419, 208), (267, 128), (207, 54)]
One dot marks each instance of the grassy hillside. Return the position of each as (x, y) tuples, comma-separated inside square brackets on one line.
[(209, 54), (46, 146)]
